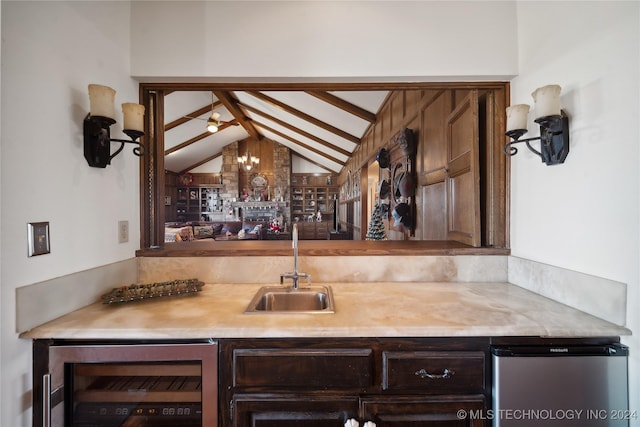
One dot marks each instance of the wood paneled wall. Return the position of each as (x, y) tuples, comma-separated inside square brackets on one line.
[(264, 150), (427, 112)]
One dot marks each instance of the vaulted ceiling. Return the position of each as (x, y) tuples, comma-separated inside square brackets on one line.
[(323, 127)]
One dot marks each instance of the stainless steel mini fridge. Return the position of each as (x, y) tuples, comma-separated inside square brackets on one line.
[(583, 386)]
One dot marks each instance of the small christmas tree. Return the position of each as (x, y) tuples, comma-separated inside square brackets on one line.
[(376, 229)]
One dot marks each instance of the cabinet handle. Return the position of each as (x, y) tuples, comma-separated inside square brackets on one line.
[(446, 374), (351, 422), (46, 400)]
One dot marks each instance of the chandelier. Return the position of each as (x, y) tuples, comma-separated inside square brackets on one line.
[(248, 162)]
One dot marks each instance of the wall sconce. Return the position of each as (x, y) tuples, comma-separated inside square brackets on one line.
[(97, 139), (554, 126)]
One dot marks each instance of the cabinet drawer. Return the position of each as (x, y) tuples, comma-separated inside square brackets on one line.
[(311, 369), (434, 371)]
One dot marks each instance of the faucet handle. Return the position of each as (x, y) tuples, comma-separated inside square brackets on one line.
[(289, 275), (284, 276)]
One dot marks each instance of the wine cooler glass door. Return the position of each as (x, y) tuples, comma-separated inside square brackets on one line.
[(132, 385)]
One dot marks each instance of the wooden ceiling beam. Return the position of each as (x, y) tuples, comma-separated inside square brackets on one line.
[(296, 130), (232, 105), (313, 162), (197, 138), (343, 105), (284, 107), (300, 143), (201, 162), (192, 115)]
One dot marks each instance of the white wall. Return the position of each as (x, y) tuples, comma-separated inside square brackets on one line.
[(51, 51), (584, 215), (1, 322), (323, 39)]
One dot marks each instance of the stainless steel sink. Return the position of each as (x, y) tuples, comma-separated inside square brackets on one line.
[(286, 299)]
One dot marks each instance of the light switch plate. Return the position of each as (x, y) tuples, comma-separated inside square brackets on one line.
[(38, 235), (123, 231)]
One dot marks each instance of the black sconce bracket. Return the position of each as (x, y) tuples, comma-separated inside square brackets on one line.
[(554, 139), (97, 141)]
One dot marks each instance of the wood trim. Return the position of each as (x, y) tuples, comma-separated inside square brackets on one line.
[(364, 201), (232, 105), (301, 144), (315, 86), (295, 129), (343, 105), (318, 248), (433, 177), (197, 138), (285, 107), (192, 116), (152, 172)]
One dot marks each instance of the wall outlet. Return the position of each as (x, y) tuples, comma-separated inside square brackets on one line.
[(123, 231)]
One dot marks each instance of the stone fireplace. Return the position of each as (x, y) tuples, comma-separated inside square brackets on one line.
[(275, 167)]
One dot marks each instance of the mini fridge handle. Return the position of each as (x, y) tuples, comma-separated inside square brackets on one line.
[(46, 400)]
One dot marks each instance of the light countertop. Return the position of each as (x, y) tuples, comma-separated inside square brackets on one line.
[(378, 309)]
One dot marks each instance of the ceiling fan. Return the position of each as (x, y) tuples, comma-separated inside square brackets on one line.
[(213, 122)]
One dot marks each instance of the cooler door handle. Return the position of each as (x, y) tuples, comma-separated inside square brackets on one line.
[(46, 400)]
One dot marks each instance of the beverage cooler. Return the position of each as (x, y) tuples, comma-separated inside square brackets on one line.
[(561, 386), (125, 385)]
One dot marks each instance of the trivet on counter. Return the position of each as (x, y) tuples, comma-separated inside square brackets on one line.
[(137, 292)]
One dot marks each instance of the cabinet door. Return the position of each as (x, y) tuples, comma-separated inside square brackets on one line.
[(463, 181), (322, 228), (259, 410), (433, 372), (422, 411), (303, 369)]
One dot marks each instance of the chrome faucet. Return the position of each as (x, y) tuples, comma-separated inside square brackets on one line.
[(294, 275)]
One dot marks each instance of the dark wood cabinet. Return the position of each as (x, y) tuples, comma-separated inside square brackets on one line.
[(434, 372), (314, 230), (317, 382), (420, 411), (286, 410), (313, 194), (198, 203), (273, 382)]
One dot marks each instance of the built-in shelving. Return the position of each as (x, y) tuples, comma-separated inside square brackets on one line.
[(201, 203)]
